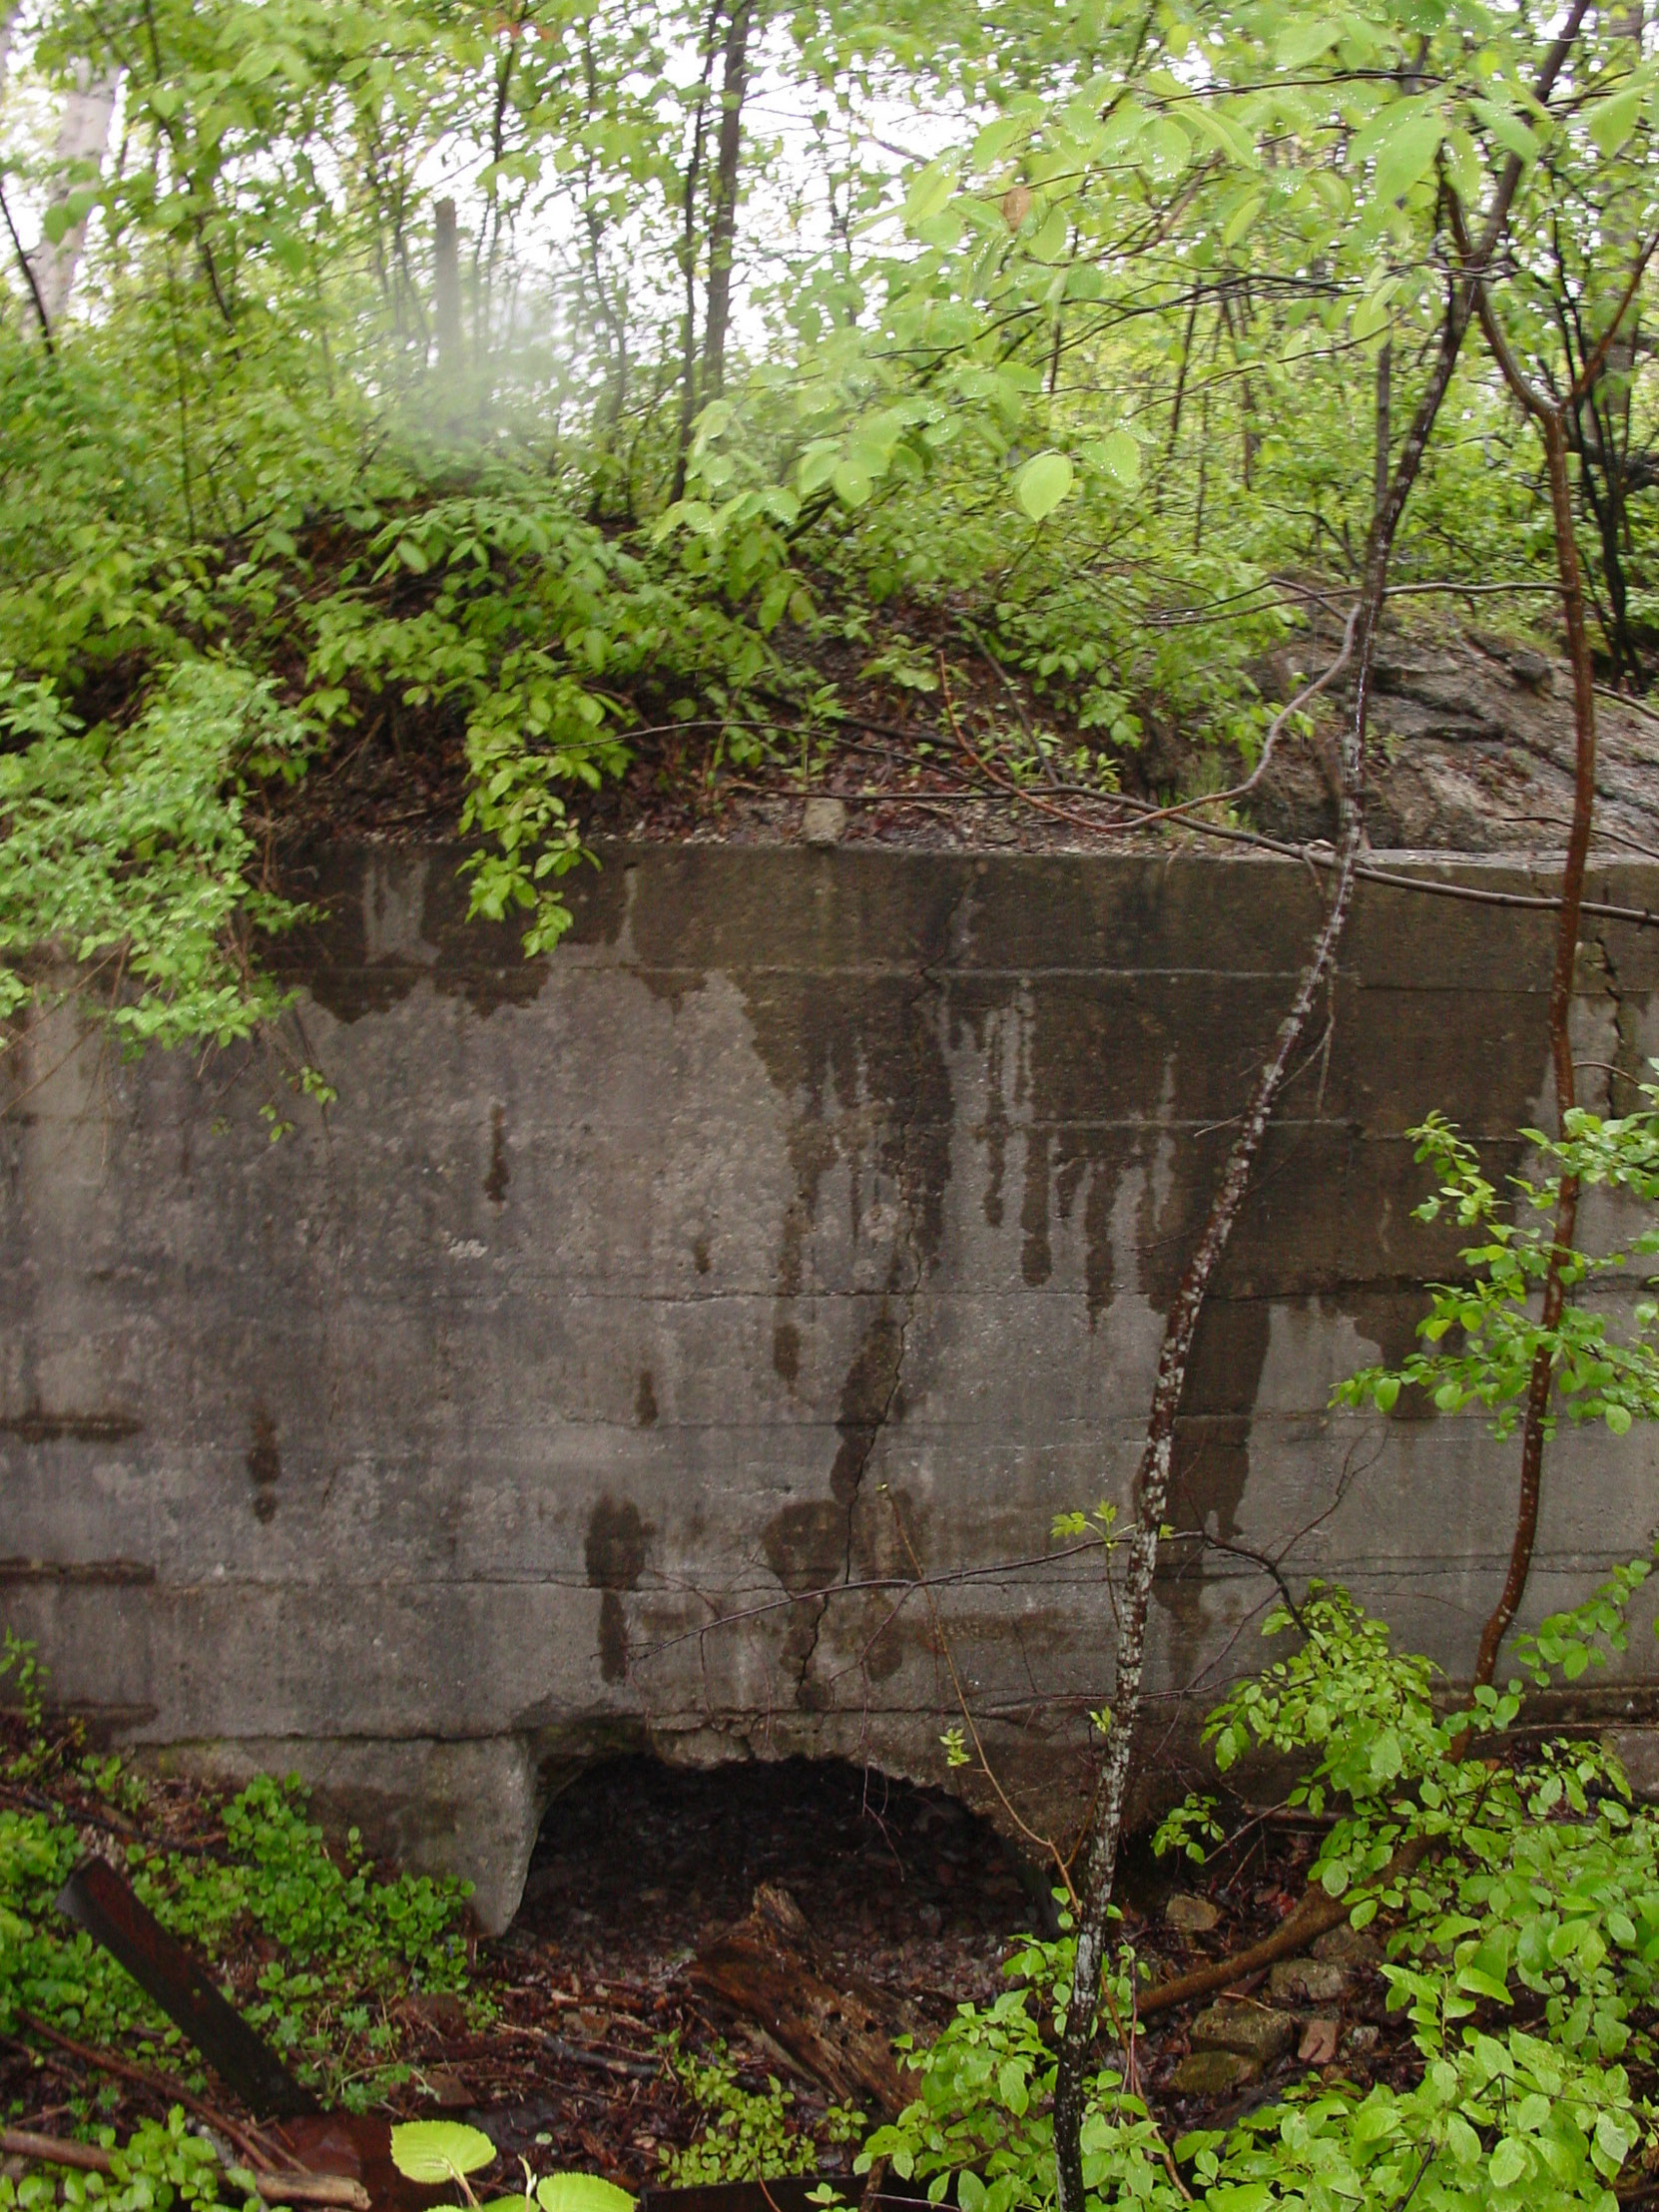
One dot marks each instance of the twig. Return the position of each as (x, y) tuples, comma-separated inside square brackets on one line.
[(1044, 1842), (274, 2188), (162, 2085)]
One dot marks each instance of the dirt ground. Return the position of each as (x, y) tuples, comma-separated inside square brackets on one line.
[(1472, 749), (639, 1864)]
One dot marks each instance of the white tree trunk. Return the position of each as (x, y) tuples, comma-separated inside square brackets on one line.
[(83, 137)]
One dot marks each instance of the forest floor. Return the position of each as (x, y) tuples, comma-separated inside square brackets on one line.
[(560, 2047), (1472, 751)]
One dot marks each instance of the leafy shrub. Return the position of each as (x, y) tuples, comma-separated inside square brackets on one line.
[(1522, 1878)]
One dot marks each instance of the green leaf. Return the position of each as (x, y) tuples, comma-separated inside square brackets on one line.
[(1509, 2161), (1116, 455), (1010, 2082), (1042, 483), (1481, 1984), (581, 2193), (435, 2151), (1617, 1418), (1508, 127), (851, 483), (1408, 153), (1225, 134), (817, 466), (996, 139), (1050, 242), (928, 193), (1612, 121), (1306, 41), (1461, 2140), (1370, 317), (1243, 218)]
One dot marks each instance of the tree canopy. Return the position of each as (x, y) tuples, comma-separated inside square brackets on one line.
[(557, 373)]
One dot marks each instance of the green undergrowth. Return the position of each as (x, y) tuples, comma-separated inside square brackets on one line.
[(1522, 1948), (314, 1947), (161, 2165), (746, 2135)]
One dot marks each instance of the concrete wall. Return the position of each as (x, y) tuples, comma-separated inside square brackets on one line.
[(806, 1209)]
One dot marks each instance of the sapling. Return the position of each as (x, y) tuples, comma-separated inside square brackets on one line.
[(436, 2152)]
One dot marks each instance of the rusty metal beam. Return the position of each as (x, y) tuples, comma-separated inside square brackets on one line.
[(95, 1898)]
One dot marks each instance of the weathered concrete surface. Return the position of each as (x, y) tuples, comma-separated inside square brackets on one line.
[(806, 1211)]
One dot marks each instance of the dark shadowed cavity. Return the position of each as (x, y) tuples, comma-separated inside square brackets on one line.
[(638, 1863)]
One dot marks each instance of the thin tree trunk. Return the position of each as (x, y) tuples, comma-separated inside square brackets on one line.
[(1100, 1844), (81, 140), (446, 286), (723, 219), (1552, 419), (1385, 403), (687, 265)]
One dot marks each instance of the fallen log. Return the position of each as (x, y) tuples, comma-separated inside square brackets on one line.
[(835, 2027), (1303, 1925), (272, 2189)]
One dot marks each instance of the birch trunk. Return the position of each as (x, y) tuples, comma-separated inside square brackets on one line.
[(82, 141)]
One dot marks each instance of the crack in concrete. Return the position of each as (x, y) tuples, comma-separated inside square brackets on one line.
[(846, 1480), (1626, 1059)]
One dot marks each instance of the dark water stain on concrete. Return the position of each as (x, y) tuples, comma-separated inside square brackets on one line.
[(700, 1256), (866, 1396), (806, 1544), (1210, 1466), (1036, 1260), (495, 1183), (80, 1428), (80, 1573), (811, 1544), (483, 963), (645, 1400), (615, 1554), (993, 1130), (264, 1465), (1136, 999)]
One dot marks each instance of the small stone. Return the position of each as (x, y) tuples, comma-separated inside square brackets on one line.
[(437, 2009), (1253, 2030), (1348, 1945), (1317, 2046), (1208, 2073), (1309, 1981), (449, 2090), (1364, 2038), (1193, 1916), (1532, 671), (823, 821)]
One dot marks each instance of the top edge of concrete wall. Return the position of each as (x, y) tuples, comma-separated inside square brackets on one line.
[(387, 916)]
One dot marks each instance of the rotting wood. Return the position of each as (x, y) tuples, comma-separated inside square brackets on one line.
[(272, 2189), (841, 2031)]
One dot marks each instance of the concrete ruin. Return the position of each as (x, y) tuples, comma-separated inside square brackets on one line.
[(602, 1367)]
